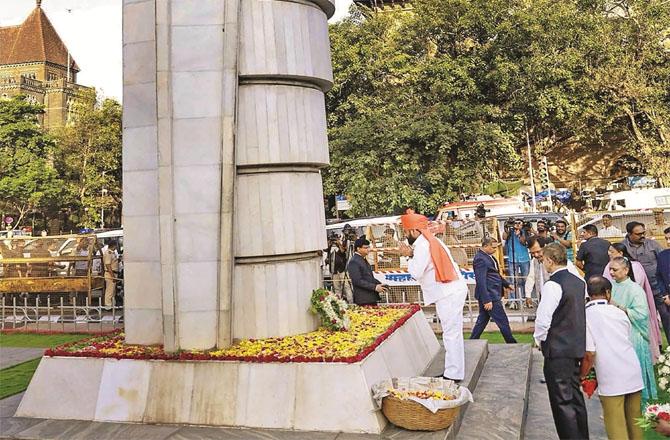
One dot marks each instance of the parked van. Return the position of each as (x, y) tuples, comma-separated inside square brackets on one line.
[(644, 198)]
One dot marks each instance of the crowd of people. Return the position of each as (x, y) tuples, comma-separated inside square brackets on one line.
[(606, 319), (600, 314)]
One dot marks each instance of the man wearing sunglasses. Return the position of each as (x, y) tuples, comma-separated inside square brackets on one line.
[(645, 251)]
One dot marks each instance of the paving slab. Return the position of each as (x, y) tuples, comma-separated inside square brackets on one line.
[(8, 406), (501, 395), (10, 356), (540, 422), (211, 433)]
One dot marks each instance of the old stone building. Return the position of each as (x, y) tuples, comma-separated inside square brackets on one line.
[(35, 62)]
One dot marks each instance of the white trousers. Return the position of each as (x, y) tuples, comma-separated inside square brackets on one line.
[(450, 312)]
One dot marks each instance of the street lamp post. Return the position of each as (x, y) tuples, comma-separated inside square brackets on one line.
[(102, 209)]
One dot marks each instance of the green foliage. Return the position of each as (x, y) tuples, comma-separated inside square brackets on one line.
[(28, 179), (89, 159), (439, 101)]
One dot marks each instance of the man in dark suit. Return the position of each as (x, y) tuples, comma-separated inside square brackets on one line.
[(489, 290), (663, 271), (366, 287)]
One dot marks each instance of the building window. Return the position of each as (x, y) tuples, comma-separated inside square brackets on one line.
[(31, 99), (51, 76)]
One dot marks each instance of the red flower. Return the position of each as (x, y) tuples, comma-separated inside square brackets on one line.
[(664, 416), (589, 386)]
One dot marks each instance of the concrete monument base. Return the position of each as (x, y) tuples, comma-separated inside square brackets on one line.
[(298, 396)]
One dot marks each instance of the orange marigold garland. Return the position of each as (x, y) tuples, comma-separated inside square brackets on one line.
[(370, 326)]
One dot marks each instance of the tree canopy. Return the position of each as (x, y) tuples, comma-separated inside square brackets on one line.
[(76, 168), (442, 100), (28, 179)]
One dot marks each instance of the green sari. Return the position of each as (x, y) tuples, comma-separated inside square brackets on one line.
[(630, 296)]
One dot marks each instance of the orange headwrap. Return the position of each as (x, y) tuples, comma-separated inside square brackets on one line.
[(444, 269)]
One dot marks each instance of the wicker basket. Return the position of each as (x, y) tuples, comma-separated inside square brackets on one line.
[(416, 417)]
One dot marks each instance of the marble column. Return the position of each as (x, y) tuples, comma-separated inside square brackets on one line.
[(224, 136)]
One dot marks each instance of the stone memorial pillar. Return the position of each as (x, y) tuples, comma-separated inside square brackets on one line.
[(224, 136)]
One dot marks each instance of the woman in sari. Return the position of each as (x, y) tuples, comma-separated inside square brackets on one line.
[(639, 276), (631, 297)]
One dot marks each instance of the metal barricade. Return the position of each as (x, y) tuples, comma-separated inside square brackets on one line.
[(37, 314)]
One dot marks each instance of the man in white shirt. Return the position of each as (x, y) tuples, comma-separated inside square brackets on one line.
[(610, 350), (538, 275), (560, 331), (442, 284), (608, 229)]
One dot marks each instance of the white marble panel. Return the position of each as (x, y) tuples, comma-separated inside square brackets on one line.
[(350, 407), (272, 299), (140, 193), (139, 105), (214, 405), (139, 62), (197, 286), (197, 237), (197, 189), (63, 388), (143, 326), (411, 341), (209, 43), (138, 22), (143, 285), (281, 124), (144, 244), (197, 330), (140, 149), (426, 333), (162, 47), (170, 391), (123, 391), (272, 207), (197, 12), (197, 141), (397, 357), (165, 153), (196, 94), (163, 109), (374, 368), (425, 351), (286, 39), (265, 395)]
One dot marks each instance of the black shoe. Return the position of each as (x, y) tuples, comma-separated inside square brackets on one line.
[(543, 380)]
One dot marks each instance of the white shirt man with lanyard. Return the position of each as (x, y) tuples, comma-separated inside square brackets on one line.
[(442, 284)]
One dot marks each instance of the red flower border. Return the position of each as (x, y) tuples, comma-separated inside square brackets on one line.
[(62, 350)]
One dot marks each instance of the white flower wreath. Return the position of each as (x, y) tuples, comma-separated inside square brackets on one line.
[(331, 309)]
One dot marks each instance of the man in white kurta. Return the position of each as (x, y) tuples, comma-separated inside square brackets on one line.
[(448, 297)]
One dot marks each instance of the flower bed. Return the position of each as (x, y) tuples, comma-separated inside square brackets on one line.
[(370, 326)]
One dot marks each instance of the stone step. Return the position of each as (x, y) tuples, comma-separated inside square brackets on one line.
[(476, 352), (539, 420), (501, 396)]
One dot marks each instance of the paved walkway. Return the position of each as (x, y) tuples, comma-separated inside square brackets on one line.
[(539, 421), (10, 356)]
